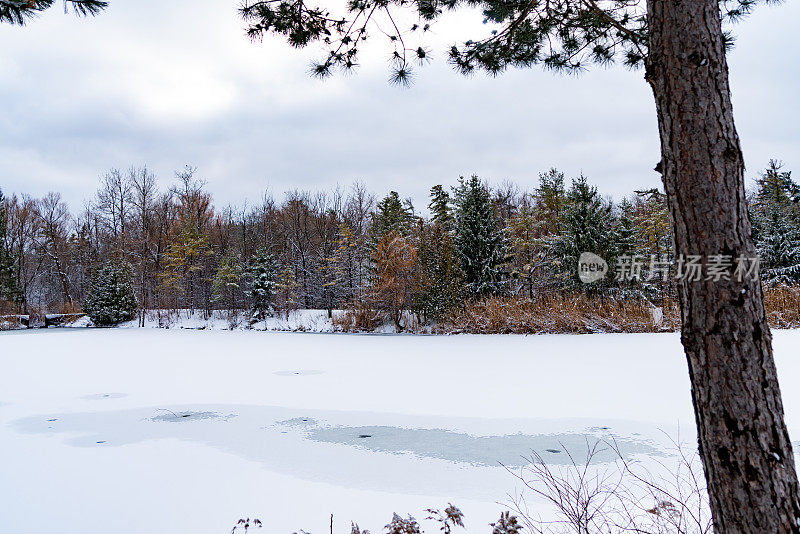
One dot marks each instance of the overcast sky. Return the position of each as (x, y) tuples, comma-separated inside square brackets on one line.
[(173, 83)]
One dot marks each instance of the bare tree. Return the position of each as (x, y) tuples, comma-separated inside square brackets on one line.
[(23, 228), (54, 228), (143, 199), (590, 495), (114, 198)]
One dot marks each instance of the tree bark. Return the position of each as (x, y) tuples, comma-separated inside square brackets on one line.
[(743, 440)]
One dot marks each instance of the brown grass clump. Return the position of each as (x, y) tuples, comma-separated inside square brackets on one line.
[(577, 313), (69, 308), (783, 306), (359, 316), (560, 313)]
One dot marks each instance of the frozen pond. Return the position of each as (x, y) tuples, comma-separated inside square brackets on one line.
[(154, 431), (236, 428)]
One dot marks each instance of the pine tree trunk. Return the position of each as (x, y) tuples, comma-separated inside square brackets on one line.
[(743, 440)]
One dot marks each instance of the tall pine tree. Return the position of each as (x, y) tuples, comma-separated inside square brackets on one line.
[(440, 207), (391, 215), (589, 225), (8, 287), (776, 224), (227, 283), (263, 283), (439, 276), (479, 240)]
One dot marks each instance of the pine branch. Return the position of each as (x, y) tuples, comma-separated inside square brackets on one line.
[(18, 12)]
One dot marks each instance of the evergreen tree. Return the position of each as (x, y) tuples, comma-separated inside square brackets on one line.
[(184, 263), (652, 238), (589, 225), (776, 187), (8, 286), (775, 215), (623, 236), (287, 291), (391, 215), (650, 218), (778, 243), (20, 11), (263, 282), (551, 201), (439, 276), (345, 267), (226, 283), (522, 230), (441, 210), (110, 299), (480, 243)]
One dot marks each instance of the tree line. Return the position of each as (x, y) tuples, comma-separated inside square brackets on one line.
[(329, 250)]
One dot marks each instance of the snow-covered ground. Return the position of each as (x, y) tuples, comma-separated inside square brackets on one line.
[(161, 431), (296, 321)]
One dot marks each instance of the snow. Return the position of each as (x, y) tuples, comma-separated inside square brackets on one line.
[(81, 322), (296, 321), (160, 431)]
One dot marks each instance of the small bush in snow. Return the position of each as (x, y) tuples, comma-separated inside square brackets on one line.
[(402, 526), (507, 524), (245, 525), (449, 518), (110, 299)]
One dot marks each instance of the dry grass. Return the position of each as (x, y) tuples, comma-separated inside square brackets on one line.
[(11, 322), (560, 313), (69, 308), (567, 313), (358, 316), (783, 306), (7, 307), (563, 313)]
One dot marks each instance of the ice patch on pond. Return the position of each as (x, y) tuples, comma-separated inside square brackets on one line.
[(182, 417), (297, 422), (511, 450), (457, 457), (104, 396)]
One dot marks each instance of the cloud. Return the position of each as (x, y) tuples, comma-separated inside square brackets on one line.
[(165, 84)]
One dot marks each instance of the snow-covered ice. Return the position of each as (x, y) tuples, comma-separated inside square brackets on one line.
[(161, 431)]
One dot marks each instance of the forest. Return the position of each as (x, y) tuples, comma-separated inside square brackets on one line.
[(476, 258)]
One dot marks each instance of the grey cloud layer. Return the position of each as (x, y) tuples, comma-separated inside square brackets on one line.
[(81, 96)]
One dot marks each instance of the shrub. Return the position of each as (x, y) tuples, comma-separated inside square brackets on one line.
[(110, 299)]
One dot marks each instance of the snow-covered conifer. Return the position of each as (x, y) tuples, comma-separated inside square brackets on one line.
[(110, 299), (481, 243), (391, 215), (440, 208), (778, 244), (589, 225), (8, 286), (263, 282)]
